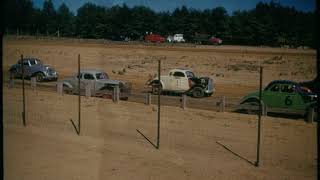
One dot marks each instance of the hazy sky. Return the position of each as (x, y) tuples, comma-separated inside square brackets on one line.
[(164, 5)]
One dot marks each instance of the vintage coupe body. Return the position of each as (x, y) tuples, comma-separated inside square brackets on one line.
[(99, 83), (282, 96), (183, 81), (33, 68)]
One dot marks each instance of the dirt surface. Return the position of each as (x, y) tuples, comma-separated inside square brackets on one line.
[(235, 69), (109, 146), (195, 144)]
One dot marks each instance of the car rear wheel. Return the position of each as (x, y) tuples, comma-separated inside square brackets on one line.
[(251, 106), (198, 92), (156, 87), (13, 73)]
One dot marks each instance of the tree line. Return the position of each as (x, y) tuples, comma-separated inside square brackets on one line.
[(269, 24)]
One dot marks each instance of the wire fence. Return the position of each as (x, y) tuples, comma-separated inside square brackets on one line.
[(48, 107)]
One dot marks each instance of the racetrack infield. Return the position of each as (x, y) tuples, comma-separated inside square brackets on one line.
[(109, 146)]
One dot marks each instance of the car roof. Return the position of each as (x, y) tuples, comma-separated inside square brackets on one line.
[(284, 82), (181, 69), (92, 71), (29, 58)]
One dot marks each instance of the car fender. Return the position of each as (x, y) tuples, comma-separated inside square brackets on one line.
[(312, 105), (36, 72), (13, 67), (68, 84), (155, 80), (249, 98), (196, 86)]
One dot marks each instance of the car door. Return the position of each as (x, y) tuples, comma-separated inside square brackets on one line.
[(34, 67), (178, 78), (75, 83), (170, 82), (87, 79), (272, 97), (291, 99), (26, 68)]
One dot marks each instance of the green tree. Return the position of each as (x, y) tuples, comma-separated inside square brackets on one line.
[(49, 18), (65, 21), (89, 16)]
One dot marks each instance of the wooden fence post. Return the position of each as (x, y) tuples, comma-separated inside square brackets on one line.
[(184, 101), (222, 104), (60, 88), (88, 90), (310, 115), (33, 83), (11, 83), (116, 94), (147, 99), (264, 110)]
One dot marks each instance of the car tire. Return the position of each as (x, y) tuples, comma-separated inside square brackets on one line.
[(66, 89), (251, 102), (155, 89), (13, 73), (250, 111), (198, 92), (39, 77)]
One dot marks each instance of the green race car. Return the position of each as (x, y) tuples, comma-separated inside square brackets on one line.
[(282, 96)]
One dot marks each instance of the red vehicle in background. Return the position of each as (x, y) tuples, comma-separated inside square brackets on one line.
[(215, 40), (154, 38)]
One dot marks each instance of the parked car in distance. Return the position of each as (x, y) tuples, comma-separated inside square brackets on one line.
[(170, 39), (200, 38), (33, 67), (206, 39), (154, 38), (183, 81), (178, 38), (283, 96), (215, 41), (100, 84)]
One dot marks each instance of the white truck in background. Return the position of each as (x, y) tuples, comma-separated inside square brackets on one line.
[(176, 38)]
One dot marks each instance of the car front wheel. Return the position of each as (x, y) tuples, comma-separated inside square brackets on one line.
[(197, 92), (39, 77)]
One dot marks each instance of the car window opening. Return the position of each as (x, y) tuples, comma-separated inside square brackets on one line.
[(102, 76)]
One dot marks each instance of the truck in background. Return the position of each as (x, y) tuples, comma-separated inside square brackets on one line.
[(156, 38)]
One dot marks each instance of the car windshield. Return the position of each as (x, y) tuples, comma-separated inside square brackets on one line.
[(38, 61), (102, 76), (304, 90), (190, 74)]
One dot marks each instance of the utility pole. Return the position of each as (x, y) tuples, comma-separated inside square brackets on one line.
[(317, 80)]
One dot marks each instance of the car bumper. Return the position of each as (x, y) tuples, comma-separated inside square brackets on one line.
[(50, 77), (210, 91), (210, 87)]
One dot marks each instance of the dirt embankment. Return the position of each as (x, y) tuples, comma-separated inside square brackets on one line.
[(235, 69)]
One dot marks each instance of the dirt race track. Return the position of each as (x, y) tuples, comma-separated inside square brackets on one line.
[(110, 147), (235, 69), (192, 141)]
